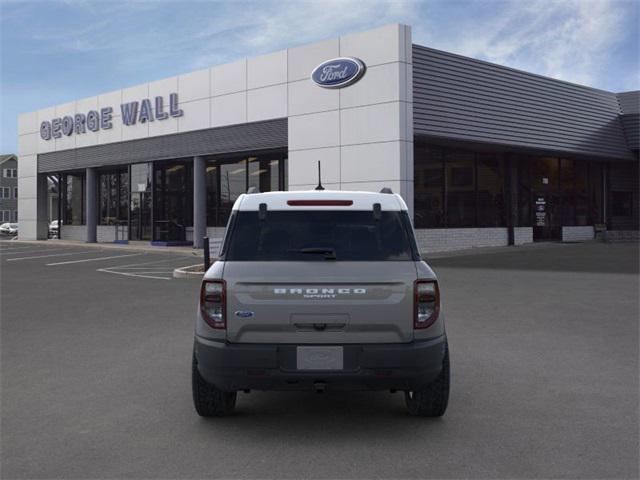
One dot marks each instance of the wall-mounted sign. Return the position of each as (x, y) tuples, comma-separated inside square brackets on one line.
[(339, 72), (94, 120), (541, 212)]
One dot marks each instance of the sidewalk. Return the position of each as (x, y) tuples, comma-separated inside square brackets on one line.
[(130, 247), (502, 249)]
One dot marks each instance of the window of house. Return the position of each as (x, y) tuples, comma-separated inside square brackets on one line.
[(15, 215), (10, 173), (5, 215), (15, 192)]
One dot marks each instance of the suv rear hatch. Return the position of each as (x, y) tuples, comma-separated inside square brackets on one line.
[(319, 276)]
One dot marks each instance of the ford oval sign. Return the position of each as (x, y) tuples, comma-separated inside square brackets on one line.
[(338, 73)]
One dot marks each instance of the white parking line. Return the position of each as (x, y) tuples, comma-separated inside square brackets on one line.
[(92, 259), (143, 270), (126, 274), (52, 255)]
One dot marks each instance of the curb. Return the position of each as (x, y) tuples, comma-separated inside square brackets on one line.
[(186, 251), (188, 272)]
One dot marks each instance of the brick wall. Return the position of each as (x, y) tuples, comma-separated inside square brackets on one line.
[(577, 234), (447, 239), (107, 233), (616, 236), (74, 232), (522, 235)]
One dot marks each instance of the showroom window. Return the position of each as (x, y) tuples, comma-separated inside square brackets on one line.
[(456, 188), (173, 200), (429, 187), (113, 197), (491, 198), (572, 190), (622, 204), (460, 188), (228, 178), (73, 192), (523, 176), (596, 192)]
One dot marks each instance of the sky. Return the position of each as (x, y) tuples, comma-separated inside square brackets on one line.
[(55, 51)]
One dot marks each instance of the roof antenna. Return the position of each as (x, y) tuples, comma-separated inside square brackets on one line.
[(319, 187)]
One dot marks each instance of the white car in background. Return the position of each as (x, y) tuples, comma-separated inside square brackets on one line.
[(9, 229), (54, 229)]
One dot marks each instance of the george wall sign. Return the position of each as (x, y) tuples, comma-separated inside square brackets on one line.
[(94, 120), (338, 72)]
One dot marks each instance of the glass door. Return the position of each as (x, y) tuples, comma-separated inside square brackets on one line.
[(547, 221), (140, 214), (173, 200), (140, 219)]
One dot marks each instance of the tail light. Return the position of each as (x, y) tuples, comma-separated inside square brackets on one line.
[(213, 303), (426, 304)]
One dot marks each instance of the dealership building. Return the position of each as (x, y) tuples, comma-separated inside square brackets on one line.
[(484, 155)]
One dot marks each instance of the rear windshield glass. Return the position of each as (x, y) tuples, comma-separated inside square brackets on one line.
[(320, 235)]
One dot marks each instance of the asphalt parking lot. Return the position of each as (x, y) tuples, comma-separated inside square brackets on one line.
[(96, 376)]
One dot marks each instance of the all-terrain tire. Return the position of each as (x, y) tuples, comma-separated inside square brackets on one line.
[(432, 400), (208, 400)]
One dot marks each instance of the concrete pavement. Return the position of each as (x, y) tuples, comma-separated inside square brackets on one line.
[(544, 349)]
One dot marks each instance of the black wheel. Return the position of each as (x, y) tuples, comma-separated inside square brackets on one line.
[(432, 400), (208, 400)]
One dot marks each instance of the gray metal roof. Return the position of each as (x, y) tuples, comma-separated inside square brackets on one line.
[(630, 118), (629, 102), (461, 98)]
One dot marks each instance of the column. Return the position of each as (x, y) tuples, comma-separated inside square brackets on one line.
[(512, 197), (91, 207), (199, 201), (42, 215)]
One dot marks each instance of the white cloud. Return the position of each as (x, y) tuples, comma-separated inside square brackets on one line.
[(569, 40), (269, 26)]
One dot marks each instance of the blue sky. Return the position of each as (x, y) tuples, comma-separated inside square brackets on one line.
[(57, 51)]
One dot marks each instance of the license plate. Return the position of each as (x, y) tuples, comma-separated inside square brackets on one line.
[(320, 358)]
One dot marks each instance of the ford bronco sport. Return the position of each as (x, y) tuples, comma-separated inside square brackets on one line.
[(320, 290)]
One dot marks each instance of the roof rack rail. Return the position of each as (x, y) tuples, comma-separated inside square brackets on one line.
[(253, 189), (386, 190)]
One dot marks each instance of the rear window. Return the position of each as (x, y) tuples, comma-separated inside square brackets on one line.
[(319, 236)]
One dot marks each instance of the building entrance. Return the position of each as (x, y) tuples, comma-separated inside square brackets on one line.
[(140, 220), (546, 200)]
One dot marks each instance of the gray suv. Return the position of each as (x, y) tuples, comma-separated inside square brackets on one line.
[(320, 290)]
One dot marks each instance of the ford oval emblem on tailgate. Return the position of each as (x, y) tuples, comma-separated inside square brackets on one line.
[(244, 314), (338, 72)]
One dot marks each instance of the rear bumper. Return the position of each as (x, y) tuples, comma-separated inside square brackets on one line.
[(403, 366)]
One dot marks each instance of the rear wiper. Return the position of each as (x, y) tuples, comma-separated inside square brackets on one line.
[(329, 253)]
